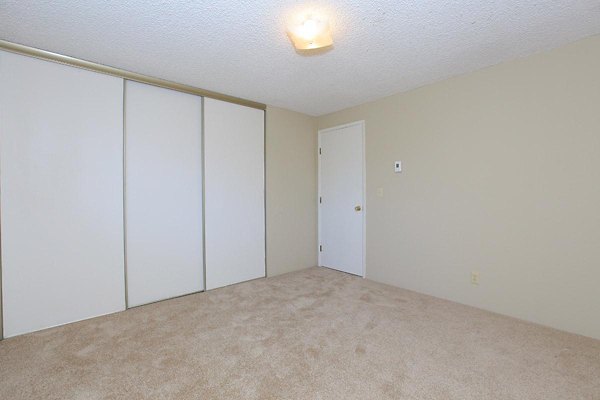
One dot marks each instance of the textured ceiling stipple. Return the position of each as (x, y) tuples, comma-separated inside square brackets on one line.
[(240, 48)]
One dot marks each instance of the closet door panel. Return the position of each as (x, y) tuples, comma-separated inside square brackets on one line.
[(234, 193), (163, 136), (61, 157)]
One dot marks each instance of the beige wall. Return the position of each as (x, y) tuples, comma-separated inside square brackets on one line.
[(291, 191), (501, 176)]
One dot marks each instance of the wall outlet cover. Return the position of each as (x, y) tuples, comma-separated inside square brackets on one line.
[(475, 278)]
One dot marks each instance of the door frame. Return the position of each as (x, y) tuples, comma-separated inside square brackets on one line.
[(364, 191)]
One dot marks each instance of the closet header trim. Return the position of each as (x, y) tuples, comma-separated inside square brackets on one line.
[(132, 76)]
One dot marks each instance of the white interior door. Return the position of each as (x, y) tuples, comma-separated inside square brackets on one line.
[(341, 201), (163, 195), (61, 157), (234, 193)]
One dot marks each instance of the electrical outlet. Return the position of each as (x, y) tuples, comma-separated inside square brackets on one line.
[(475, 278)]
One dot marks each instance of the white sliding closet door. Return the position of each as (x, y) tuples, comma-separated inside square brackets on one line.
[(163, 192), (234, 193), (61, 156)]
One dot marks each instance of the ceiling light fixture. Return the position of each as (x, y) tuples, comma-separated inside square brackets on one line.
[(310, 33)]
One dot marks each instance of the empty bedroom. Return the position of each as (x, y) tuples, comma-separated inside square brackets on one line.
[(300, 200)]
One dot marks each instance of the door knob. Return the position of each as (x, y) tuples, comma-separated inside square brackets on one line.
[(357, 208)]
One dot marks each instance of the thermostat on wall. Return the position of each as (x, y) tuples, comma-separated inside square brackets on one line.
[(398, 166)]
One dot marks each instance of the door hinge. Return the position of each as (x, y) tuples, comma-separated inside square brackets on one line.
[(320, 248), (319, 151), (320, 199)]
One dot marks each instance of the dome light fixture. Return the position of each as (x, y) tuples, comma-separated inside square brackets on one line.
[(310, 33)]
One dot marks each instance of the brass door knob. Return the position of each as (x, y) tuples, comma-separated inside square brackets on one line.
[(357, 208)]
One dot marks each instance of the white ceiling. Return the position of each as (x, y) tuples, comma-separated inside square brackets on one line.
[(239, 47)]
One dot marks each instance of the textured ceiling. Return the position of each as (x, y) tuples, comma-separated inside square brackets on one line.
[(239, 47)]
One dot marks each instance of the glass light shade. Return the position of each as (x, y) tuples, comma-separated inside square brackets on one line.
[(312, 33)]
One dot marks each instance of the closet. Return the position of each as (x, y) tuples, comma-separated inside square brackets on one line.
[(116, 193), (163, 193), (235, 196), (61, 163)]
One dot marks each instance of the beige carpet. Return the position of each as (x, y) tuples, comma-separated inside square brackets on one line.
[(315, 334)]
